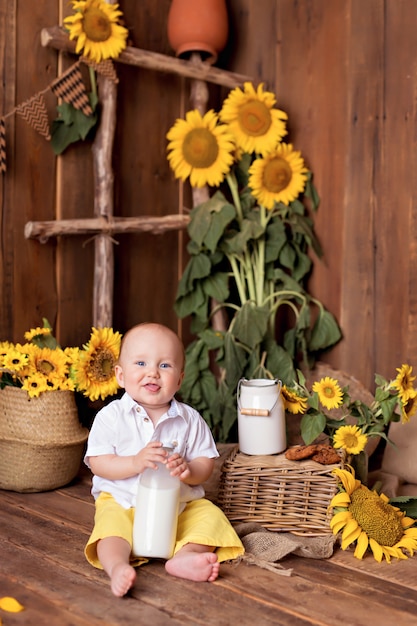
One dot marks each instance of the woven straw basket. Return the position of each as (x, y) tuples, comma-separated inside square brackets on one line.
[(41, 440), (278, 494)]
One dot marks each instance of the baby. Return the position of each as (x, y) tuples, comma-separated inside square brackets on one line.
[(127, 437)]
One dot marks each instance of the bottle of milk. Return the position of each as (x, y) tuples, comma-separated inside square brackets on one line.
[(156, 514)]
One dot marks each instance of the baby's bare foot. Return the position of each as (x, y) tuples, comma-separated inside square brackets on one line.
[(122, 578), (197, 566)]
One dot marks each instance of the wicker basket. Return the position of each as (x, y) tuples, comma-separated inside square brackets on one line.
[(41, 440), (278, 494)]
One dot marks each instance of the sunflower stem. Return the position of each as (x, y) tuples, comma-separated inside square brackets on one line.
[(237, 278), (260, 261), (93, 81), (232, 182), (249, 273)]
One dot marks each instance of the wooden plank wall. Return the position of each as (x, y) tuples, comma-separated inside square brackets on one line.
[(343, 70)]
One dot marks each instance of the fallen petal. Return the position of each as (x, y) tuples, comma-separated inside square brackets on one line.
[(11, 605)]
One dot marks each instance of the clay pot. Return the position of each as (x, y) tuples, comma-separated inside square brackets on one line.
[(198, 26)]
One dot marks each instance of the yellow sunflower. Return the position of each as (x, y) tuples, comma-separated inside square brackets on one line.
[(37, 332), (408, 406), (256, 125), (94, 370), (368, 519), (293, 402), (4, 348), (350, 438), (47, 362), (278, 177), (35, 385), (15, 360), (95, 27), (329, 392), (404, 382), (200, 148)]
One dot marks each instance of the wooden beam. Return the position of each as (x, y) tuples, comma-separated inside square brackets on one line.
[(117, 225), (104, 203), (56, 37)]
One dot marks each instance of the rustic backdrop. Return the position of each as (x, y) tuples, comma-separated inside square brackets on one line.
[(343, 70)]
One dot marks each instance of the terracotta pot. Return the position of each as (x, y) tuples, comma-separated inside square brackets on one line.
[(198, 26)]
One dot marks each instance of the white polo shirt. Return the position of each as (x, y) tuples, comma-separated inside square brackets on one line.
[(123, 427)]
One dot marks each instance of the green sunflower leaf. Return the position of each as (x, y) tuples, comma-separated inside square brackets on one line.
[(250, 324), (407, 504), (312, 426), (325, 333), (72, 125), (198, 266)]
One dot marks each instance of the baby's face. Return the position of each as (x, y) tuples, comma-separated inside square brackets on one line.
[(151, 365)]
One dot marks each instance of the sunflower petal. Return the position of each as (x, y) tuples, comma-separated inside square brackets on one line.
[(339, 520), (11, 605), (347, 479), (361, 545), (408, 522), (338, 527), (386, 552), (350, 534), (408, 543), (340, 499), (396, 552), (376, 549)]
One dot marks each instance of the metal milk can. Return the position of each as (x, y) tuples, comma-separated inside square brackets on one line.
[(261, 416)]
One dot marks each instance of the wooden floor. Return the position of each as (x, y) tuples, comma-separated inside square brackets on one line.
[(42, 565)]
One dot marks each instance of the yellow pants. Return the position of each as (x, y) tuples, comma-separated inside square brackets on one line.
[(201, 522)]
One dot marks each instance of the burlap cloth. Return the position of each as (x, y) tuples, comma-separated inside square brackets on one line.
[(264, 548)]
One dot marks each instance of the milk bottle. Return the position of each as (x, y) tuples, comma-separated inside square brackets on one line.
[(156, 515)]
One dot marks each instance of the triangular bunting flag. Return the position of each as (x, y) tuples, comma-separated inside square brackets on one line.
[(106, 68), (2, 145), (35, 113), (71, 89)]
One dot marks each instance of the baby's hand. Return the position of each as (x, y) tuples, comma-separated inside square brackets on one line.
[(178, 466), (151, 454)]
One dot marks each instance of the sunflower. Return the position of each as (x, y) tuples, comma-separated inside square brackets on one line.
[(255, 124), (97, 31), (46, 362), (368, 519), (350, 438), (329, 392), (278, 177), (408, 406), (35, 385), (15, 360), (200, 148), (293, 403), (37, 332), (94, 371), (404, 382), (4, 348)]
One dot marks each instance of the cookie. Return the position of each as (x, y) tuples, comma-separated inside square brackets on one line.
[(326, 455), (297, 453)]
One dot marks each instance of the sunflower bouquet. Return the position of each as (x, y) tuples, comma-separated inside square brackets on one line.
[(244, 284), (348, 423), (41, 365), (367, 521)]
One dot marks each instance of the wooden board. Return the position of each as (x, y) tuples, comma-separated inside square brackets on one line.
[(42, 565)]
